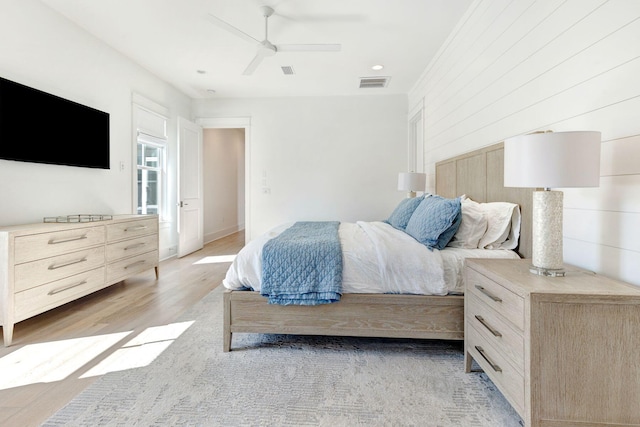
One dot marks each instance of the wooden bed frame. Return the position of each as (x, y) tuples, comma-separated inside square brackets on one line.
[(479, 175)]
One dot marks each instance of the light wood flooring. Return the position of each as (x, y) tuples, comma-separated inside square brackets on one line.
[(132, 305)]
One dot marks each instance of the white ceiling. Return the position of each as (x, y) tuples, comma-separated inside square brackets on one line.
[(174, 40)]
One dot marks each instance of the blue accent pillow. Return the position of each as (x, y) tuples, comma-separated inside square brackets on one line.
[(401, 214), (446, 237), (435, 221)]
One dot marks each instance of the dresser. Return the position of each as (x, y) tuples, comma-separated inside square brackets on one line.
[(46, 265), (564, 351)]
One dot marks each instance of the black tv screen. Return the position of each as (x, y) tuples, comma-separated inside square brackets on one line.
[(36, 126)]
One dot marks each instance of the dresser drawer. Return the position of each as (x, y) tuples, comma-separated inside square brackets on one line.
[(121, 269), (496, 330), (131, 229), (500, 299), (35, 273), (42, 298), (509, 380), (128, 248), (44, 245)]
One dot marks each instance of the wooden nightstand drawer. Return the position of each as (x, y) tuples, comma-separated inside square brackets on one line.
[(131, 229), (128, 248), (44, 245), (509, 379), (496, 330), (35, 273), (500, 299)]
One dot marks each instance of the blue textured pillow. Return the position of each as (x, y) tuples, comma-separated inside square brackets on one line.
[(446, 237), (435, 221), (401, 214)]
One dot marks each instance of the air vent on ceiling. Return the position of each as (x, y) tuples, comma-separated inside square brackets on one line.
[(287, 70), (373, 82)]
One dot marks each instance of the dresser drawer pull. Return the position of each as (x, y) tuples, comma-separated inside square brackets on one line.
[(73, 239), (487, 293), (134, 263), (493, 365), (66, 264), (137, 245), (136, 228), (66, 288), (486, 325)]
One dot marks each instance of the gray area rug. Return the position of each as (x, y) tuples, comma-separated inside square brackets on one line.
[(285, 380)]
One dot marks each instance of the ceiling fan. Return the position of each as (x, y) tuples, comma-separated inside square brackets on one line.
[(265, 47)]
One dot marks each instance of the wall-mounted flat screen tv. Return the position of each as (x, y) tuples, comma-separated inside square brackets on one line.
[(39, 127)]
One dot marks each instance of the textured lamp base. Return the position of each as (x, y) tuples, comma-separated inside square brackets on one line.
[(547, 233)]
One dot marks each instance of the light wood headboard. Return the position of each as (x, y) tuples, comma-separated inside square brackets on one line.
[(480, 175)]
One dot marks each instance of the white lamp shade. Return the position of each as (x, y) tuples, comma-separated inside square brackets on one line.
[(412, 181), (553, 160)]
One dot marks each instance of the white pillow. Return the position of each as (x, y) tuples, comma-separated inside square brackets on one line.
[(473, 225), (503, 226)]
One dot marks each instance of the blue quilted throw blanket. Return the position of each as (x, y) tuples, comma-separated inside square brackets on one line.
[(303, 265)]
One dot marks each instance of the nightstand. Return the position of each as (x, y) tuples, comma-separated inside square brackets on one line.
[(564, 351)]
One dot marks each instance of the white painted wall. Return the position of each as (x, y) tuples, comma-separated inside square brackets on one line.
[(319, 158), (41, 49), (223, 182), (512, 67)]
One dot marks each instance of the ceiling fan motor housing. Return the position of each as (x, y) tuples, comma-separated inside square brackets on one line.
[(268, 49)]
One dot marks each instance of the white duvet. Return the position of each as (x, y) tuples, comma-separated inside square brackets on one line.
[(377, 258)]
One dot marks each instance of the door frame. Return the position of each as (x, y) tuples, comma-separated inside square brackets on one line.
[(237, 123), (415, 158)]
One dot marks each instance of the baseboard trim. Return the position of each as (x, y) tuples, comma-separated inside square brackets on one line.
[(210, 237)]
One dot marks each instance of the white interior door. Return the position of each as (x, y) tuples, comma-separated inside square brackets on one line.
[(190, 206)]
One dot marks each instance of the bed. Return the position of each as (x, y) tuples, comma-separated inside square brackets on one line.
[(366, 311)]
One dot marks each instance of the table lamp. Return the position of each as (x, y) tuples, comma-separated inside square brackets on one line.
[(546, 160), (412, 182)]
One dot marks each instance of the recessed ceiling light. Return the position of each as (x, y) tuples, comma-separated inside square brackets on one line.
[(211, 91), (201, 71), (377, 67)]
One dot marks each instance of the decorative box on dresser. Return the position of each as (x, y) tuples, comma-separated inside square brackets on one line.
[(564, 351), (46, 265)]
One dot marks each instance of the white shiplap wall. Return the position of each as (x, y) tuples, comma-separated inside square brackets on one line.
[(515, 66)]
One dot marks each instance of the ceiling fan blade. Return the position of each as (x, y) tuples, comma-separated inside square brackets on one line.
[(253, 64), (309, 47), (230, 28)]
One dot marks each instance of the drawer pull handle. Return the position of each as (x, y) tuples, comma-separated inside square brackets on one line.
[(66, 288), (134, 263), (136, 228), (137, 245), (66, 264), (489, 361), (487, 293), (72, 239), (486, 325)]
